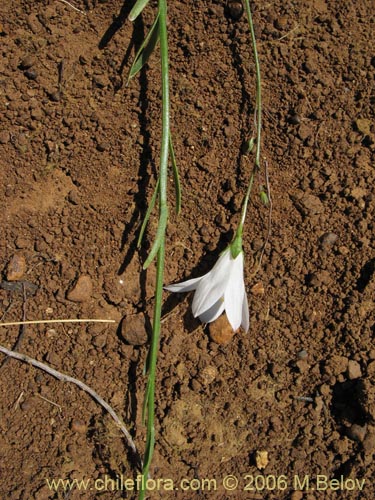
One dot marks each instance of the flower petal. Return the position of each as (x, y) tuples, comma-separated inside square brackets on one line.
[(212, 285), (245, 314), (184, 286), (213, 312), (234, 293)]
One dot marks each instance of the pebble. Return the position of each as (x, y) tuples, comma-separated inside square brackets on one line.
[(295, 119), (221, 331), (55, 96), (31, 74), (133, 329), (354, 370), (328, 239), (78, 426), (16, 268), (281, 23), (357, 432), (369, 442), (27, 62), (302, 354), (296, 495), (363, 126), (235, 9), (82, 290), (4, 136), (208, 375)]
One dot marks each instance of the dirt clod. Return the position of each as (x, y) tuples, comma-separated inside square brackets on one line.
[(82, 290), (133, 329)]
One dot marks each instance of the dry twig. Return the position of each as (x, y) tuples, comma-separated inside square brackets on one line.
[(81, 385)]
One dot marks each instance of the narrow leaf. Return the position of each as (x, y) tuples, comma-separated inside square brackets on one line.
[(145, 49), (137, 9), (176, 176), (148, 213)]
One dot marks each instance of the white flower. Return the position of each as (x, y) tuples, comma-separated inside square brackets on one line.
[(222, 288)]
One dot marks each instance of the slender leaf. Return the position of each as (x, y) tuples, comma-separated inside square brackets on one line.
[(148, 213), (145, 49), (137, 9), (176, 176)]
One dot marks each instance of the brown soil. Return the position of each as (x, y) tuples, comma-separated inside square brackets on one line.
[(78, 155)]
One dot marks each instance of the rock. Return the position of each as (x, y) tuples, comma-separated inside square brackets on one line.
[(78, 426), (133, 329), (235, 9), (16, 267), (328, 240), (369, 442), (208, 375), (281, 23), (363, 126), (27, 62), (297, 495), (221, 331), (82, 290), (354, 370), (357, 432), (4, 136)]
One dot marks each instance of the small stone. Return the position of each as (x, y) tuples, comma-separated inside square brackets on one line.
[(354, 370), (296, 495), (31, 74), (208, 375), (78, 426), (16, 268), (328, 239), (101, 81), (221, 331), (261, 459), (55, 96), (235, 9), (357, 432), (37, 114), (102, 146), (304, 131), (363, 126), (82, 290), (133, 329), (302, 354), (281, 23), (295, 119), (4, 136), (27, 62), (73, 197), (369, 442)]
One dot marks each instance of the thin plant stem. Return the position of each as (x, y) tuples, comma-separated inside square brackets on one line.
[(66, 378), (164, 148), (51, 321), (158, 248), (256, 167)]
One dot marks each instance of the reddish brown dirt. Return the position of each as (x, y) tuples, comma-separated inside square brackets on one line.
[(78, 155)]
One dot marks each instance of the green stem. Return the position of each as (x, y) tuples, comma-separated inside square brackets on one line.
[(149, 401), (258, 118), (164, 149)]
